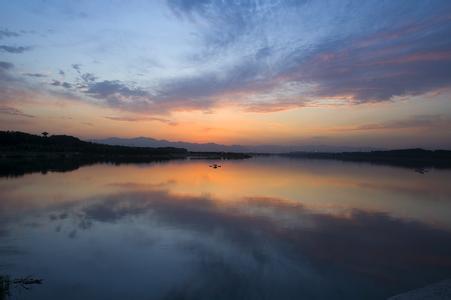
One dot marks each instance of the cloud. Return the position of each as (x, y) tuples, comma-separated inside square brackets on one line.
[(270, 107), (239, 83), (6, 110), (14, 49), (139, 119), (77, 67), (88, 77), (227, 20), (414, 63), (418, 121), (396, 57), (117, 94), (273, 56), (112, 93), (66, 85), (5, 75), (6, 65), (5, 33), (108, 88), (37, 75), (63, 84)]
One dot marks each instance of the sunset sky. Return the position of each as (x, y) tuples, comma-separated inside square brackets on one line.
[(349, 73)]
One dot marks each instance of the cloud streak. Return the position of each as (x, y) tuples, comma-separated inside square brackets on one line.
[(409, 59), (266, 57), (140, 119), (11, 111), (373, 69), (14, 49), (418, 122), (6, 65), (36, 75), (5, 33)]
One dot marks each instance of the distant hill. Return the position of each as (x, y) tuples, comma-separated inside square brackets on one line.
[(212, 147), (16, 142), (22, 153)]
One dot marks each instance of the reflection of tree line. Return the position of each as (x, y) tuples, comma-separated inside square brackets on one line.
[(6, 283), (418, 159), (18, 166)]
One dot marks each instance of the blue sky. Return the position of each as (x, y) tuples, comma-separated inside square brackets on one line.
[(154, 60)]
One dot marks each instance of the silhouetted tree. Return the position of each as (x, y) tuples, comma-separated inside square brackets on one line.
[(45, 133)]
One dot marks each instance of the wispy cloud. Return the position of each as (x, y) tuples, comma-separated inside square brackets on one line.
[(36, 75), (6, 33), (77, 67), (88, 77), (5, 75), (14, 49), (4, 65), (272, 56), (113, 88), (6, 110), (269, 107), (418, 121), (141, 118), (414, 63), (391, 59), (63, 84)]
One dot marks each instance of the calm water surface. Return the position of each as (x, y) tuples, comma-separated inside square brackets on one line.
[(263, 228)]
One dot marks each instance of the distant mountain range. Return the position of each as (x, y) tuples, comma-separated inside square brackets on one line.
[(212, 147)]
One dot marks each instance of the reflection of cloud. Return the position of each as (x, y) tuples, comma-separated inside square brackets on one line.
[(243, 249), (356, 242), (234, 243), (142, 186), (9, 250), (72, 234)]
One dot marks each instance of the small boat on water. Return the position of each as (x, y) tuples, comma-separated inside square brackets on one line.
[(214, 166)]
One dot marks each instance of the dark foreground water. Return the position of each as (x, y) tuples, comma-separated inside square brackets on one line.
[(264, 228)]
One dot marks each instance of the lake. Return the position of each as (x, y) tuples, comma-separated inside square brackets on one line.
[(260, 228)]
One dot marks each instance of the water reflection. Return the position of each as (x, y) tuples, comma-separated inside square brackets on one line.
[(257, 229)]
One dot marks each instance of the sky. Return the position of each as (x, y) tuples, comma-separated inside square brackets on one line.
[(350, 73)]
